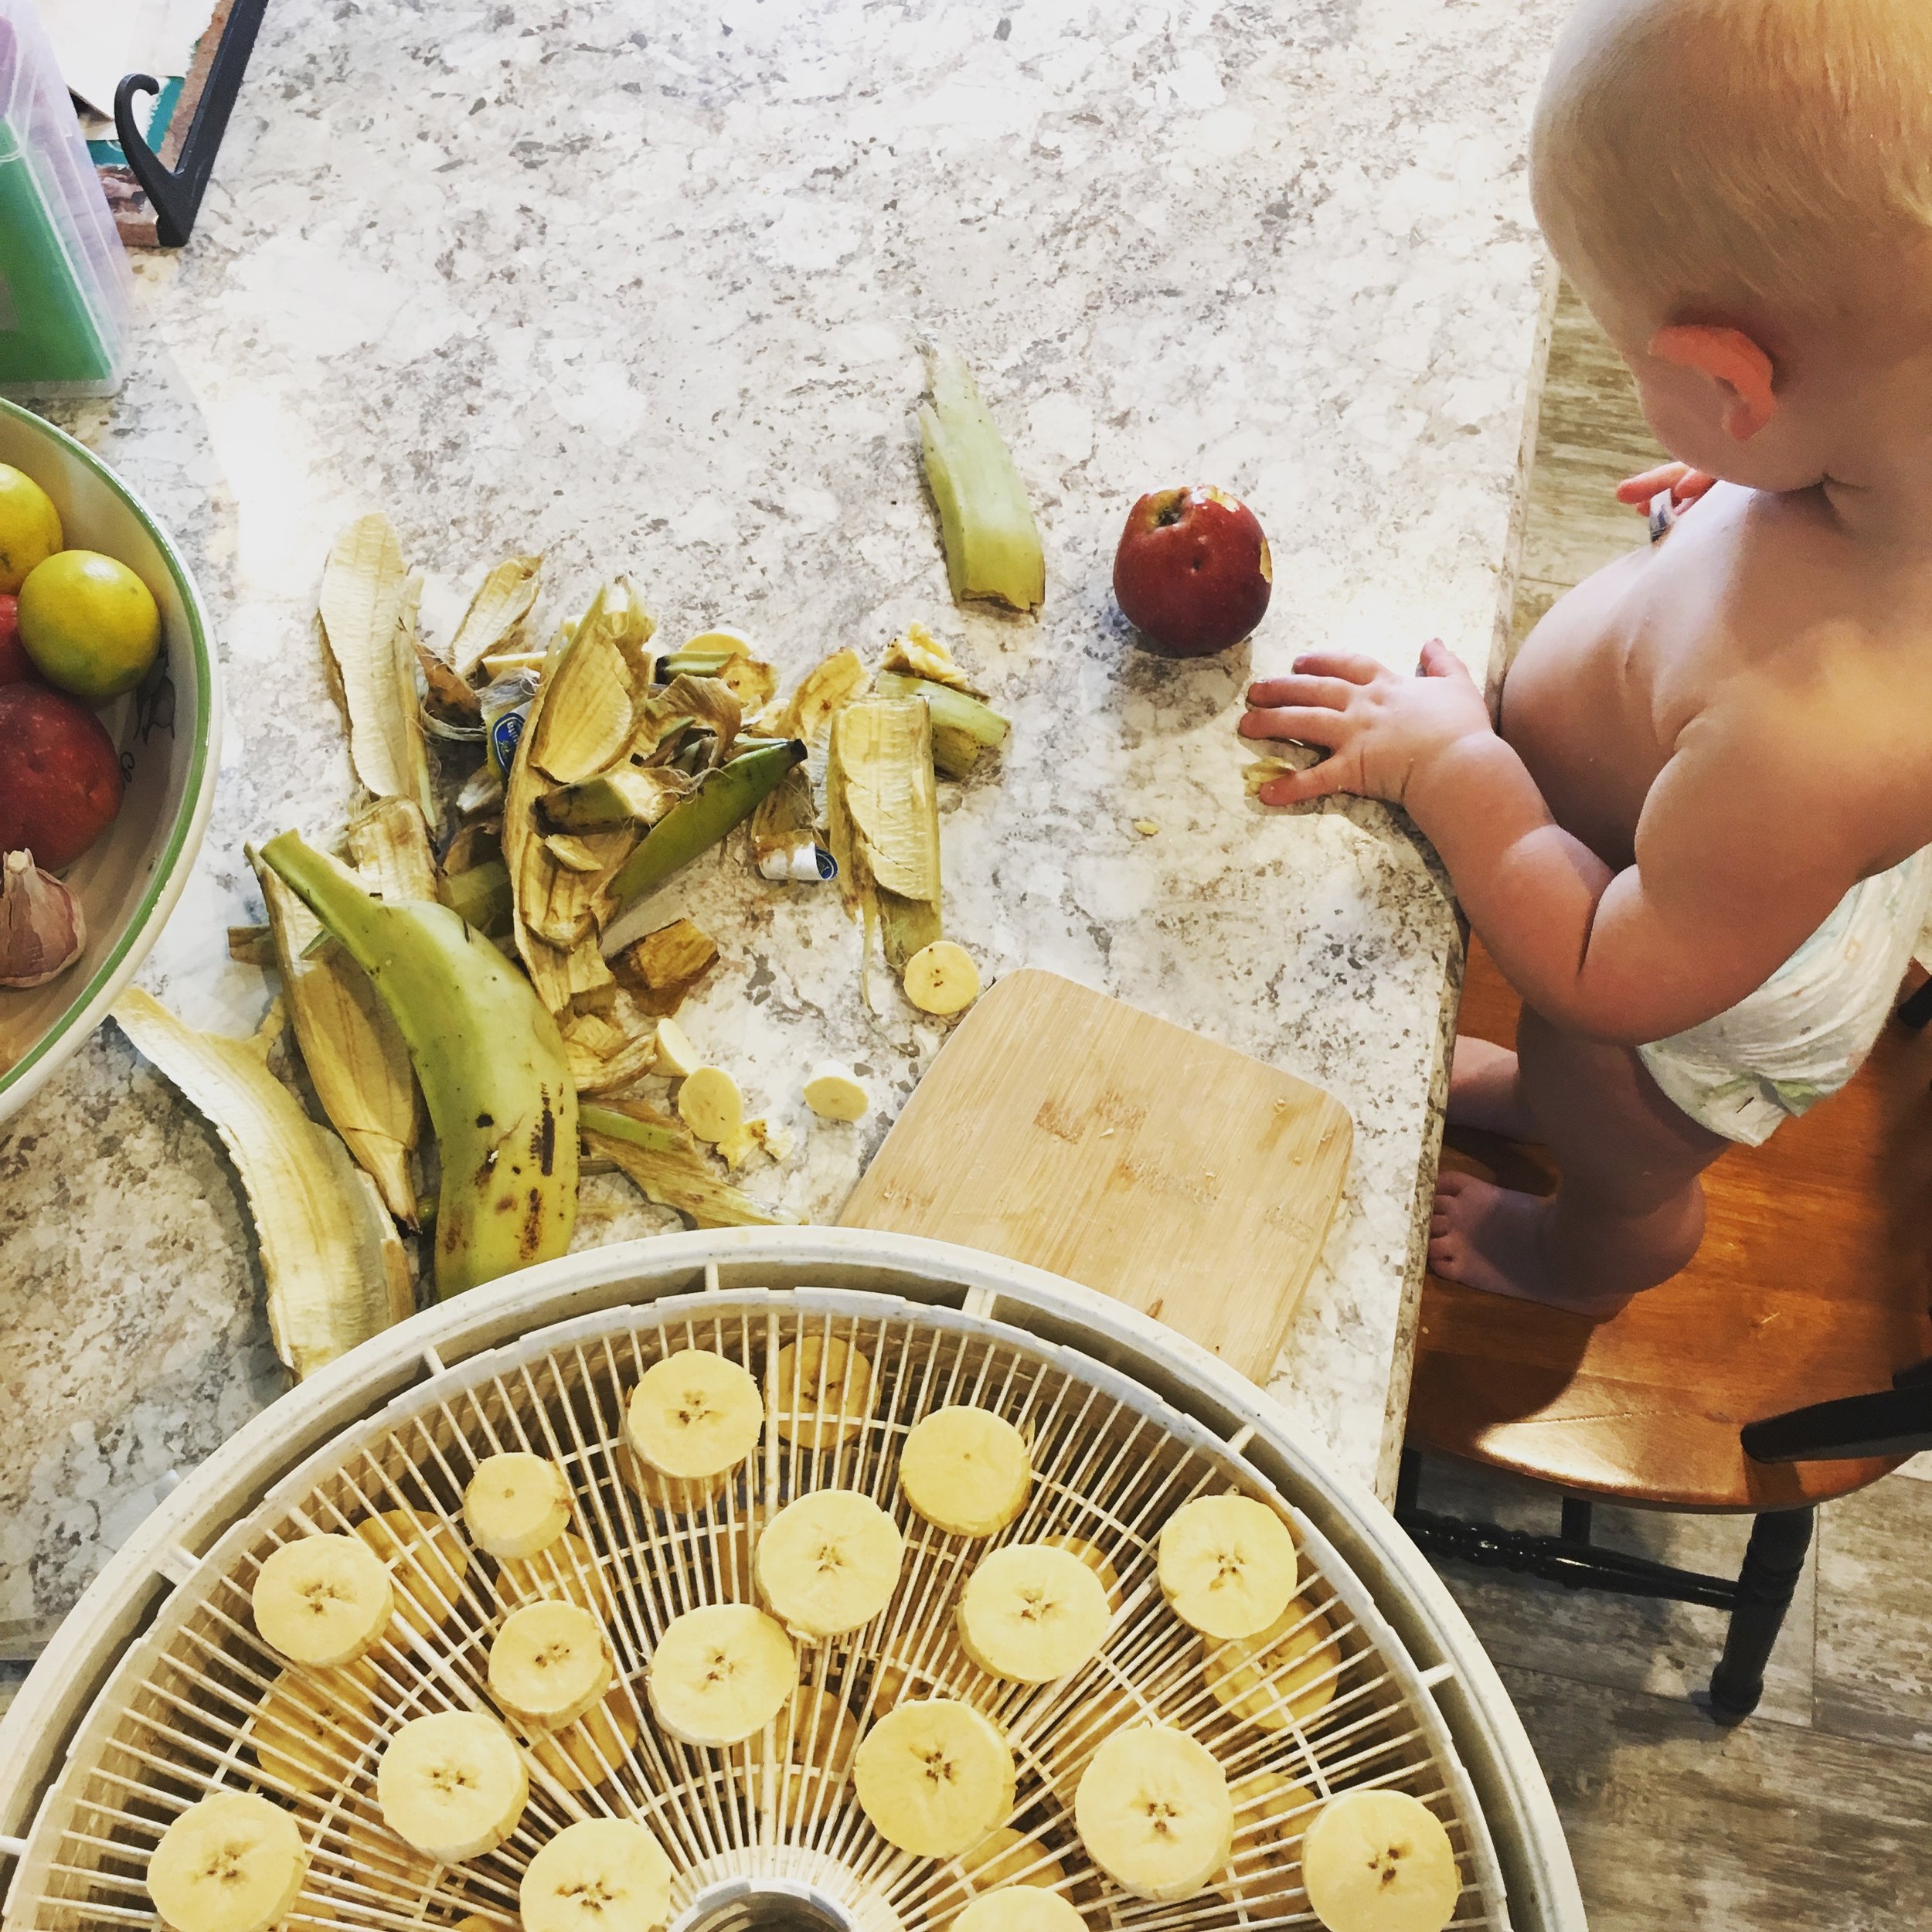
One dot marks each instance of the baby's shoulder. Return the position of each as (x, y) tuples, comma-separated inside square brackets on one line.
[(1796, 575)]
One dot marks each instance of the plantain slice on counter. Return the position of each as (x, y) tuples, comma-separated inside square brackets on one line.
[(335, 1272), (355, 1053), (881, 814), (985, 523), (667, 1165), (368, 625), (502, 601)]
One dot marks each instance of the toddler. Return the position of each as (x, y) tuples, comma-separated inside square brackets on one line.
[(1695, 838)]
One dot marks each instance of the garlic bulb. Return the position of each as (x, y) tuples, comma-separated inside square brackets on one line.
[(42, 927)]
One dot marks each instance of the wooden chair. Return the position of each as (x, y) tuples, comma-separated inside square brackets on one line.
[(1809, 1294)]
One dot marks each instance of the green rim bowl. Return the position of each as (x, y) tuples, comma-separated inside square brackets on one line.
[(168, 734)]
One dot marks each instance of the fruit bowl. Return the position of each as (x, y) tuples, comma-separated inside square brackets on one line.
[(166, 732)]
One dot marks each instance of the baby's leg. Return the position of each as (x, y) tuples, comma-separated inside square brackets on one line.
[(1483, 1090), (1630, 1211)]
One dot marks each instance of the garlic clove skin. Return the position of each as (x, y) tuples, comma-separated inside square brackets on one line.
[(42, 929)]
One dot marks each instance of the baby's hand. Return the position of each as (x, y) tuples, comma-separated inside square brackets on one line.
[(1379, 727), (1685, 484)]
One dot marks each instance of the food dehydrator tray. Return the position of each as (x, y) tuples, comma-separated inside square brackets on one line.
[(754, 1834)]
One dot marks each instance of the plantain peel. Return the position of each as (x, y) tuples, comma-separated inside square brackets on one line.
[(604, 1058), (827, 687), (368, 623), (502, 601), (881, 811), (667, 1166), (335, 1270), (986, 524), (592, 701), (918, 654), (389, 843), (710, 706), (490, 1061), (355, 1054)]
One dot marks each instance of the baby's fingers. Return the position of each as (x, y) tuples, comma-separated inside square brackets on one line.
[(1300, 724), (1333, 693), (1637, 490), (1355, 666), (1298, 787)]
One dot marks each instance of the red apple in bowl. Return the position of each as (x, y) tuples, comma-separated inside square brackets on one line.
[(15, 666), (1192, 571)]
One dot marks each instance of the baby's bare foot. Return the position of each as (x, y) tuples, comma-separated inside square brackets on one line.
[(1489, 1237), (1483, 1092), (1495, 1239)]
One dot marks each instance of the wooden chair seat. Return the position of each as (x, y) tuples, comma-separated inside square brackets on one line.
[(1813, 1282)]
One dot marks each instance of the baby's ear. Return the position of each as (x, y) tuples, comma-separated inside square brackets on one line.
[(1732, 361)]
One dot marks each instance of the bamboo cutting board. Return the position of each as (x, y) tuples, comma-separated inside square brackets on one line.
[(1061, 1127)]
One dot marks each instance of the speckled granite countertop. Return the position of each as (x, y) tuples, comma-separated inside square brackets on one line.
[(637, 283)]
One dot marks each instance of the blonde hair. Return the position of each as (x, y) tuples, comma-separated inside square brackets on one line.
[(1698, 154)]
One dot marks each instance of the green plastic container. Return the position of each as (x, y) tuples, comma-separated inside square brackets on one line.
[(66, 291)]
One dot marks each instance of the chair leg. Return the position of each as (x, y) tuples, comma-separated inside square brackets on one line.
[(1773, 1562)]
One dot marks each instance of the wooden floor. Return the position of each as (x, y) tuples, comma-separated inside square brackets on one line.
[(1816, 1815)]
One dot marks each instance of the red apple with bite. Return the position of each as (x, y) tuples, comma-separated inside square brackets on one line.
[(60, 779), (15, 666), (1193, 572)]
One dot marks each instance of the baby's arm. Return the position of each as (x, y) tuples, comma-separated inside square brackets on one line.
[(1734, 867)]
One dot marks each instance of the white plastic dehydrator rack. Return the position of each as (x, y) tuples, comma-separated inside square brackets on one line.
[(142, 1702)]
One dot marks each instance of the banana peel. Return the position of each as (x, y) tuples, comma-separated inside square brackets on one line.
[(335, 1272), (368, 624), (727, 656), (490, 1059), (666, 1164), (251, 945), (480, 896), (881, 815), (704, 703), (785, 828), (355, 1053)]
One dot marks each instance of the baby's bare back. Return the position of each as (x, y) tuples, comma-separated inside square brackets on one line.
[(1756, 652)]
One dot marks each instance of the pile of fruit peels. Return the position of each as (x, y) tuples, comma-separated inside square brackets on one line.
[(462, 954)]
